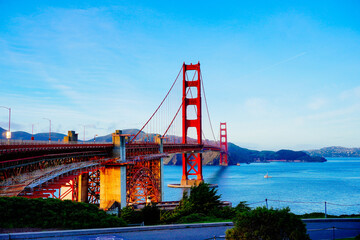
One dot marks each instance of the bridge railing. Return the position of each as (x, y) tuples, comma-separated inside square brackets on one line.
[(35, 142)]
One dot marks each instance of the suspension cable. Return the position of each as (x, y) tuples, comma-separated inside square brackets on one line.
[(182, 103), (207, 109), (158, 106), (203, 134)]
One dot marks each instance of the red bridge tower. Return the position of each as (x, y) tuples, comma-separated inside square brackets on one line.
[(223, 145), (192, 162)]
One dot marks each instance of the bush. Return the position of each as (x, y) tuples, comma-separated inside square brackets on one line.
[(151, 214), (268, 224), (192, 218), (198, 217), (242, 207), (16, 212), (201, 199), (223, 213), (130, 216)]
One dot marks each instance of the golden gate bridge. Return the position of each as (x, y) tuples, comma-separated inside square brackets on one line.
[(130, 169)]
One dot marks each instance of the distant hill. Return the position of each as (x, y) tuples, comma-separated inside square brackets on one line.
[(335, 152), (2, 133), (20, 135), (108, 138), (242, 155)]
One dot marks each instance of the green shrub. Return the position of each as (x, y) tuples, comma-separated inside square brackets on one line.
[(268, 224), (18, 212), (242, 207), (203, 198), (223, 213), (192, 218), (151, 214), (131, 216)]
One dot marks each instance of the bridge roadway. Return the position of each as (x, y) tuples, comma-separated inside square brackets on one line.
[(318, 229), (16, 153)]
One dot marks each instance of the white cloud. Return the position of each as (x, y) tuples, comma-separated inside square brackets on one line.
[(255, 106), (317, 103), (351, 93)]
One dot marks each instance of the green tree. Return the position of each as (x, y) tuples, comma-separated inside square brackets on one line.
[(200, 199), (268, 224), (151, 214), (203, 198), (131, 216), (242, 207)]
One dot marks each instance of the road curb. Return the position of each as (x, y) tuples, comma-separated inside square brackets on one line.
[(84, 232)]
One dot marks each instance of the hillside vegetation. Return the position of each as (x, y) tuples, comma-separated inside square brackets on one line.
[(335, 152), (243, 155)]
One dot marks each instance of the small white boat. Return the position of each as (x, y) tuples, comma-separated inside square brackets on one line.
[(267, 176)]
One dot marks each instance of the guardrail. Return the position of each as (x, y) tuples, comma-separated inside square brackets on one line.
[(326, 204), (35, 142)]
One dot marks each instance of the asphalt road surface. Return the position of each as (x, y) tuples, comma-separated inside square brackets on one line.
[(317, 229)]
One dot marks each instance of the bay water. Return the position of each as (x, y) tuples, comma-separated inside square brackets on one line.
[(304, 187)]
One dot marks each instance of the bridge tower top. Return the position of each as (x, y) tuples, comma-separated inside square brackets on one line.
[(187, 123)]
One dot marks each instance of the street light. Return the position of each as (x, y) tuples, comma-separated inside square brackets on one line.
[(49, 129), (95, 137), (8, 133), (32, 131), (84, 130)]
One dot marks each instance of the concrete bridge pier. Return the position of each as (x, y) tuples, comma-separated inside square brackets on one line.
[(113, 178), (83, 186), (162, 170)]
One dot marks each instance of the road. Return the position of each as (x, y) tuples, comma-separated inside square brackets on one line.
[(318, 230)]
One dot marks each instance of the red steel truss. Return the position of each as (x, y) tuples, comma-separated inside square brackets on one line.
[(223, 145), (94, 187), (143, 181)]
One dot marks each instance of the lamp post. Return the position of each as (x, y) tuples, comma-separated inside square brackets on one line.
[(95, 137), (49, 128), (84, 126), (8, 133), (84, 133), (32, 131)]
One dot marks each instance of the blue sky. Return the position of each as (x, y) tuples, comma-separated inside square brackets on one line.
[(282, 75)]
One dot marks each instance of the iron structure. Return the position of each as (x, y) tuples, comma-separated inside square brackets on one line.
[(143, 181)]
